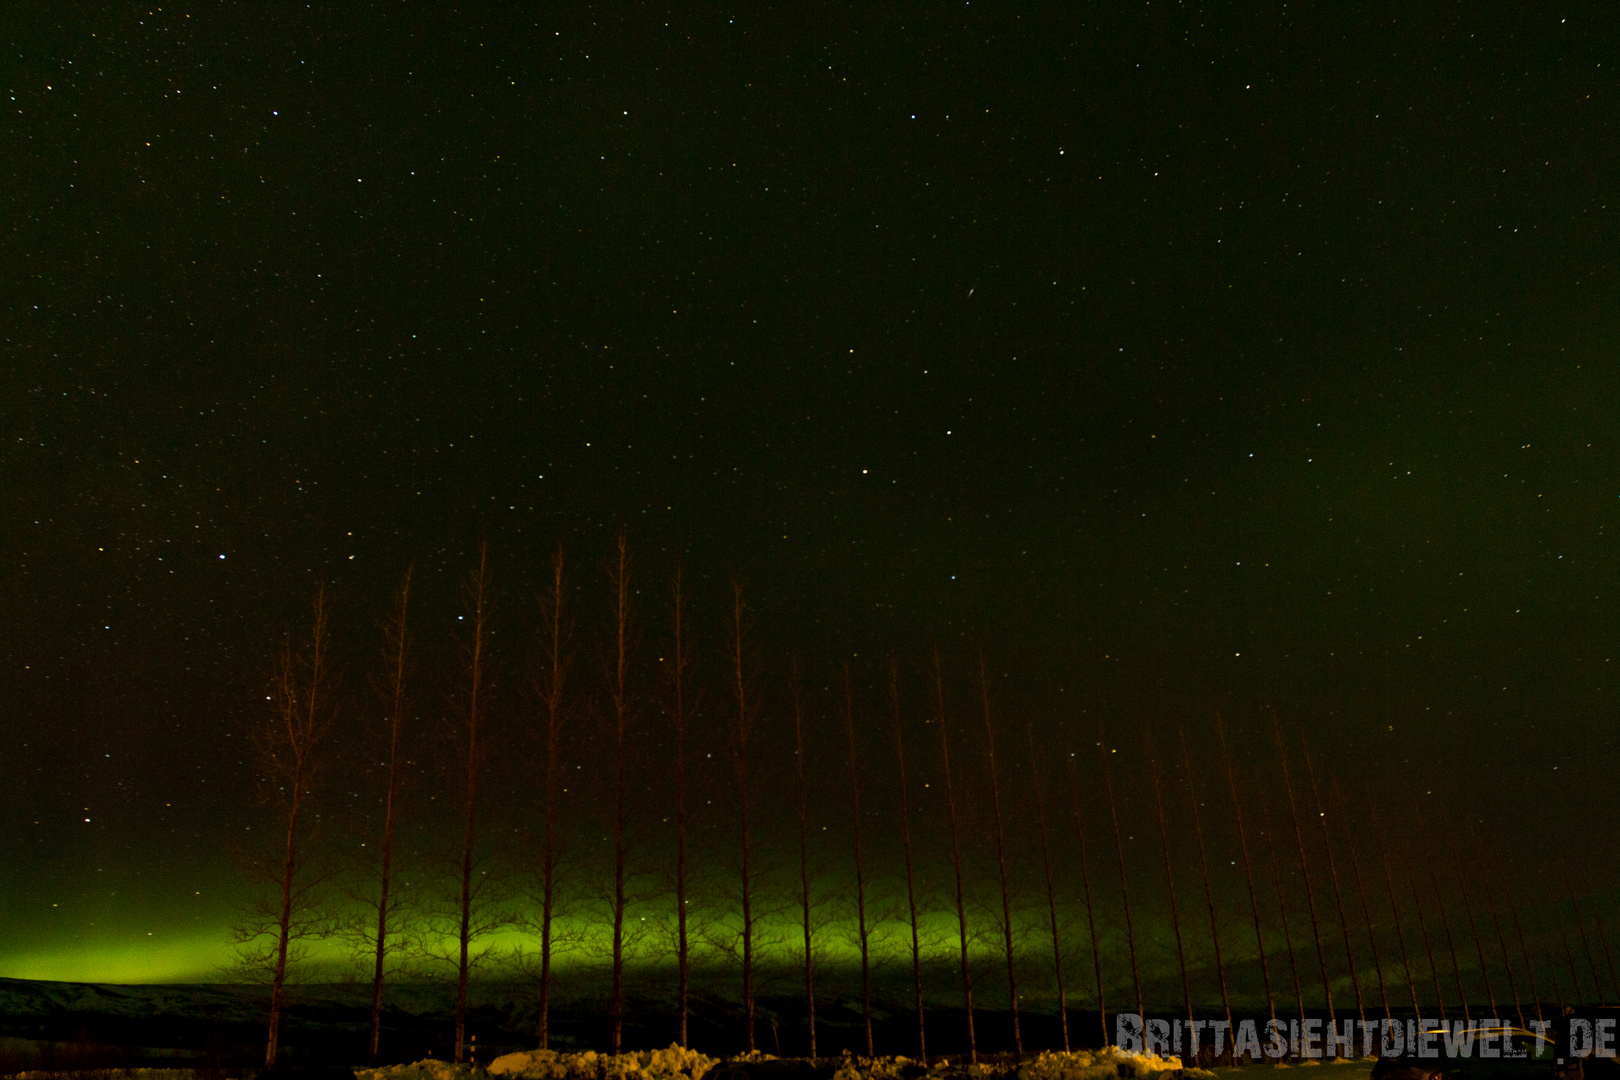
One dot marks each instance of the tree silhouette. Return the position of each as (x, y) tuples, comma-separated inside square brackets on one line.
[(911, 877), (619, 695), (1091, 913), (956, 855), (1169, 876), (1051, 887), (804, 856), (1001, 858), (861, 928), (550, 686), (1203, 871), (287, 745), (396, 634), (1248, 872), (472, 706), (746, 708), (680, 718)]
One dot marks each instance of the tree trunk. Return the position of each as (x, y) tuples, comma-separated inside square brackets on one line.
[(1361, 891), (1001, 861), (1445, 922), (1282, 901), (1552, 967), (681, 721), (1203, 870), (1473, 927), (1091, 915), (1051, 888), (1394, 909), (398, 639), (1524, 950), (1304, 870), (551, 685), (911, 882), (1428, 944), (1602, 935), (289, 867), (744, 726), (478, 609), (1580, 925), (804, 862), (1119, 850), (1496, 923), (1248, 873), (288, 747), (956, 857), (860, 861), (1169, 875), (621, 723), (1569, 956), (1333, 878)]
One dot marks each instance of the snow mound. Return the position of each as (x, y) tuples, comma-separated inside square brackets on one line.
[(1109, 1063), (426, 1069), (118, 1074), (1106, 1064), (859, 1068), (672, 1063), (676, 1063)]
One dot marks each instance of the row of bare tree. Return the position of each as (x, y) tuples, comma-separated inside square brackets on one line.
[(616, 794)]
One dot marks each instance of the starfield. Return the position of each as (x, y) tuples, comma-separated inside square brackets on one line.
[(911, 532)]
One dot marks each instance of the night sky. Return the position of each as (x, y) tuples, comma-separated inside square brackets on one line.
[(1180, 357)]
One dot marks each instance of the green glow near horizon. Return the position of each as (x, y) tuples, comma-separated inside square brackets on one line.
[(208, 956), (197, 958)]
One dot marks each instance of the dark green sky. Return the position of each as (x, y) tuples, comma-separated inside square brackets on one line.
[(1183, 357)]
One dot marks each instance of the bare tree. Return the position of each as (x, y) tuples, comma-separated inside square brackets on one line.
[(1496, 922), (1394, 909), (860, 860), (905, 836), (804, 859), (619, 694), (1203, 870), (1282, 901), (1428, 944), (1602, 935), (1473, 927), (473, 705), (396, 634), (1518, 929), (1091, 914), (1333, 878), (1580, 925), (1304, 870), (1119, 849), (1051, 888), (745, 723), (681, 718), (1248, 873), (1552, 969), (550, 684), (1169, 876), (1440, 901), (956, 855), (1001, 859), (1361, 891), (1569, 956), (287, 746)]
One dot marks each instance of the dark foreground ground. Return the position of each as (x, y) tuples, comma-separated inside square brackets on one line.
[(56, 1027), (80, 1026)]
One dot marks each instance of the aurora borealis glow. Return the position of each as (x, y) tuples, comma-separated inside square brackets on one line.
[(1178, 362)]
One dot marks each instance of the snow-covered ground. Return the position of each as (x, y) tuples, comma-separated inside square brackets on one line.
[(674, 1063)]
